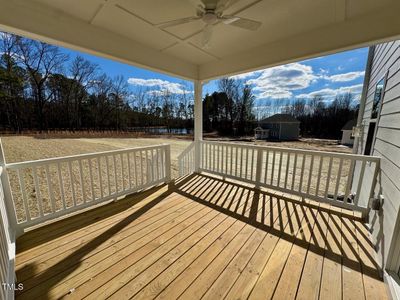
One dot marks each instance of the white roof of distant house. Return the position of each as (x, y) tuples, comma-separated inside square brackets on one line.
[(280, 118)]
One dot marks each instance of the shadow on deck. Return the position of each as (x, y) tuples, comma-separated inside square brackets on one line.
[(202, 237)]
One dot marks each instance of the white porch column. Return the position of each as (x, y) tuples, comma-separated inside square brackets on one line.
[(198, 121)]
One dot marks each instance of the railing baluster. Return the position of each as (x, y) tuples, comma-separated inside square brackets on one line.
[(266, 166), (38, 196), (236, 160), (71, 177), (100, 177), (135, 169), (20, 173), (50, 189), (81, 178), (253, 175), (321, 161), (294, 171), (287, 169), (115, 173), (247, 163), (280, 168), (122, 171), (302, 173), (108, 175), (241, 162), (128, 158), (91, 179), (328, 177), (60, 180), (273, 167), (338, 178), (310, 173)]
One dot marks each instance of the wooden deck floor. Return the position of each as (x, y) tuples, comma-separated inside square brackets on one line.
[(201, 238)]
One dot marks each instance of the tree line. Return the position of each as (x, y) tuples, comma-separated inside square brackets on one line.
[(42, 88), (323, 119)]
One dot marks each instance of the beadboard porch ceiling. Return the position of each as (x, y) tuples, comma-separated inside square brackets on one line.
[(125, 30)]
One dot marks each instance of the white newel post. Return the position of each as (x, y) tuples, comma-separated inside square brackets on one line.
[(12, 218), (198, 122)]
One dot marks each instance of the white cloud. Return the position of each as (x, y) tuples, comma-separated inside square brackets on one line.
[(350, 76), (246, 75), (159, 86), (281, 81), (329, 93)]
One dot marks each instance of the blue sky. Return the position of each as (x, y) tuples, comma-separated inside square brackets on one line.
[(327, 76)]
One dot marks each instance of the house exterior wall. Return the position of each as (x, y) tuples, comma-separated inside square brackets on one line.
[(347, 139), (282, 131), (386, 144), (289, 131)]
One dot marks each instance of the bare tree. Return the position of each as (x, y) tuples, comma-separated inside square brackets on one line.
[(83, 75), (41, 61)]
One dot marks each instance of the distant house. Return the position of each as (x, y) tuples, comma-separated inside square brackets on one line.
[(260, 133), (281, 127), (347, 130)]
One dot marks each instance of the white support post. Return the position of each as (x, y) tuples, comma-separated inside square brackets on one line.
[(15, 230), (198, 122)]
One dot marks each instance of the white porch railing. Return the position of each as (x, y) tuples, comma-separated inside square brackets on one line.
[(49, 188), (318, 175), (186, 160), (7, 248)]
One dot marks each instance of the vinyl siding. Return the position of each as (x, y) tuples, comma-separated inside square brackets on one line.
[(387, 143)]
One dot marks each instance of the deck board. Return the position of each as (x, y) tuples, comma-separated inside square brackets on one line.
[(201, 237)]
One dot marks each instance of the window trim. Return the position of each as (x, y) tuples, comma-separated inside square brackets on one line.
[(378, 117)]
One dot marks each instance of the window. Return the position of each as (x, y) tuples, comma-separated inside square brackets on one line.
[(370, 138), (376, 106), (377, 98)]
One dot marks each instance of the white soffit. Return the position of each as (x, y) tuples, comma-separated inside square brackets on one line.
[(125, 30)]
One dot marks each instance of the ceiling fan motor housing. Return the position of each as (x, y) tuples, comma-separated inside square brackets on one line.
[(210, 18)]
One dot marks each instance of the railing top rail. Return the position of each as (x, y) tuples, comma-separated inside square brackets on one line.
[(45, 161), (302, 151)]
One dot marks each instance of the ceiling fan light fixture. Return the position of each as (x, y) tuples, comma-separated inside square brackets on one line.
[(210, 18)]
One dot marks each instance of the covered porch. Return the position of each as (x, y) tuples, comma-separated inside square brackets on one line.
[(202, 237), (241, 221)]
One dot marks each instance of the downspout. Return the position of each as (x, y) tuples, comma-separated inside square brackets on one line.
[(363, 99)]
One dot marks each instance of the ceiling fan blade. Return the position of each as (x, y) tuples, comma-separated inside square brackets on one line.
[(241, 22), (224, 4), (178, 22), (199, 5), (206, 36)]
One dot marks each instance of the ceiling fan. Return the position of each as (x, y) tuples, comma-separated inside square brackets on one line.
[(211, 12)]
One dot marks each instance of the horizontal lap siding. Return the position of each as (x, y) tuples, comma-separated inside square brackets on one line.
[(387, 144)]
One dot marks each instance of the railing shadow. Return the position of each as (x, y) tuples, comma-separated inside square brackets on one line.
[(82, 219), (249, 205), (56, 273), (278, 215)]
